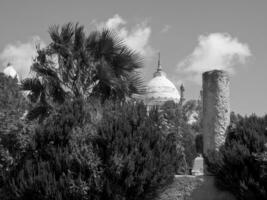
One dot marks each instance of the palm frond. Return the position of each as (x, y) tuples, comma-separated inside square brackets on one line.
[(99, 64), (61, 39), (79, 38), (67, 33), (41, 70), (107, 45), (105, 74), (31, 84), (38, 112), (34, 85), (92, 45), (103, 44), (136, 84), (41, 56), (55, 91), (91, 41), (112, 39), (126, 61), (54, 33)]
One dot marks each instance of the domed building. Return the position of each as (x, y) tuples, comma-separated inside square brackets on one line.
[(10, 71), (160, 89)]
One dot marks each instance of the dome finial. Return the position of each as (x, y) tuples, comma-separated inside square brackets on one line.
[(182, 99), (159, 65), (159, 71)]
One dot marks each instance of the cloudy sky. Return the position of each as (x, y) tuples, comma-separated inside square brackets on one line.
[(192, 36)]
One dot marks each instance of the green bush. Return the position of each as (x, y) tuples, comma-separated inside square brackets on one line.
[(59, 163), (137, 156), (12, 104), (75, 155), (174, 117), (12, 138), (240, 165)]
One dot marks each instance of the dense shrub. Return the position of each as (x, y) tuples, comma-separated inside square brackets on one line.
[(12, 104), (12, 137), (240, 165), (59, 163), (74, 155), (137, 155), (187, 141), (175, 116)]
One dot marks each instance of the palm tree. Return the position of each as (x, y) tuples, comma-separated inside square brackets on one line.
[(74, 65)]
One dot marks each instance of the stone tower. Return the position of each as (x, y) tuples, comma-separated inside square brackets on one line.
[(216, 109)]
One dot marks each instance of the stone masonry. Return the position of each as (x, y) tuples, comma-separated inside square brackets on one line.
[(216, 109), (216, 118)]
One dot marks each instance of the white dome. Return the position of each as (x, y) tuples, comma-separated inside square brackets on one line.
[(10, 71), (160, 89)]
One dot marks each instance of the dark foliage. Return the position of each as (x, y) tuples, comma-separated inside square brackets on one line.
[(240, 165), (75, 65), (176, 118), (199, 143), (79, 152), (12, 138), (59, 163), (12, 104), (137, 156)]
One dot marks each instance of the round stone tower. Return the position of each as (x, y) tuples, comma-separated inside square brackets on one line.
[(216, 109)]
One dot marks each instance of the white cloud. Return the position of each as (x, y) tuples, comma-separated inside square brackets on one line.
[(21, 55), (214, 51), (115, 22), (165, 29), (137, 37)]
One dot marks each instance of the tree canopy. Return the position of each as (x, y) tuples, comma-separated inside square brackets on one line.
[(75, 65)]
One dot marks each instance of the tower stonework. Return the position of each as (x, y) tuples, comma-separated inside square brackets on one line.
[(216, 108), (215, 97)]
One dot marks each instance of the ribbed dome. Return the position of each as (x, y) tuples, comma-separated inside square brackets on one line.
[(160, 89)]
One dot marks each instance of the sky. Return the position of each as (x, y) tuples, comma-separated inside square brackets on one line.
[(192, 37)]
